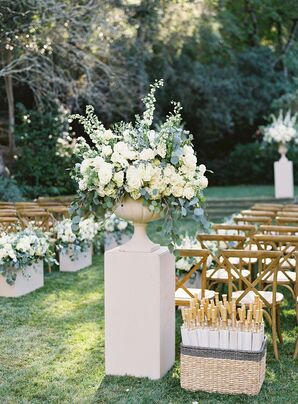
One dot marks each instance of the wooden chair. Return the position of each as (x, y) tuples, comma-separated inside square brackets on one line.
[(287, 271), (268, 262), (256, 220), (264, 213), (241, 230), (9, 224), (276, 230), (215, 244), (291, 206), (58, 212), (287, 220), (184, 294), (271, 207), (41, 220), (287, 213), (8, 213)]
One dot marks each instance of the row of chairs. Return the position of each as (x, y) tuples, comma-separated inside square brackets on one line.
[(249, 260), (43, 214)]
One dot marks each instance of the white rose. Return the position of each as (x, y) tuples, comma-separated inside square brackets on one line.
[(105, 173), (107, 135), (83, 185), (147, 154), (106, 151), (188, 192), (202, 168), (85, 165), (119, 178), (134, 178), (177, 191), (122, 225), (203, 182), (147, 172)]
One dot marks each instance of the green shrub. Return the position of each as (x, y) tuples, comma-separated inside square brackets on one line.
[(9, 190), (248, 163), (39, 169)]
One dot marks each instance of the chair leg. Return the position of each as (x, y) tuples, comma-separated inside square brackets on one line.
[(296, 350), (274, 341), (278, 324)]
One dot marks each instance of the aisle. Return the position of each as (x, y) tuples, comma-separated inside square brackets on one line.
[(52, 350)]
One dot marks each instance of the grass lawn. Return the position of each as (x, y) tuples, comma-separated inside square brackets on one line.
[(242, 191), (52, 351)]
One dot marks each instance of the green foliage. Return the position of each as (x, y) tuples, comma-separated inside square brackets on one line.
[(38, 167), (9, 190), (249, 163)]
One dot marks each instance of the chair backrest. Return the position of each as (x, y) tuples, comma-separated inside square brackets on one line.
[(287, 220), (287, 213), (8, 212), (41, 220), (286, 244), (257, 220), (268, 263), (264, 213), (200, 262), (291, 206), (271, 207), (9, 224), (240, 229), (274, 229)]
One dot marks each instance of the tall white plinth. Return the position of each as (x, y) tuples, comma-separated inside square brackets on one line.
[(139, 313), (284, 178)]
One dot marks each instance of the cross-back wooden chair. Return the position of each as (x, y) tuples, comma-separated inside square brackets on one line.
[(256, 220), (22, 205), (271, 207), (287, 213), (215, 244), (290, 206), (184, 294), (268, 262), (276, 230), (41, 220), (8, 213), (287, 220), (58, 212), (9, 224), (287, 272), (240, 229), (263, 213)]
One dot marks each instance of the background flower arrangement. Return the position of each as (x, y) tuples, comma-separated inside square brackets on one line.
[(116, 228), (22, 249), (72, 242), (158, 165), (282, 130)]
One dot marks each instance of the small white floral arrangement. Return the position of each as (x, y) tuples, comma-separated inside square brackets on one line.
[(76, 242), (155, 164), (22, 249), (185, 264), (116, 229), (282, 130)]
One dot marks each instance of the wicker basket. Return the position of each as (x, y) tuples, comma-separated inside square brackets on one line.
[(222, 371)]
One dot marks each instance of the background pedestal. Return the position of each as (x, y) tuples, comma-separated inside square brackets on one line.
[(283, 178), (139, 313)]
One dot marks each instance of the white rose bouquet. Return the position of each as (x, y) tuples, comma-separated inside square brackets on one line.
[(78, 241), (157, 164), (282, 130), (22, 249)]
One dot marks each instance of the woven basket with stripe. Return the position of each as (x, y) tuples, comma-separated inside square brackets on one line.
[(222, 371)]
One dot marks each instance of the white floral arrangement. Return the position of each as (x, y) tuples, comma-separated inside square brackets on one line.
[(185, 264), (116, 229), (282, 130), (78, 241), (22, 249), (157, 164)]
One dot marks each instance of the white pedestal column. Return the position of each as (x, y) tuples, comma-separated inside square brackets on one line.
[(139, 313), (284, 178)]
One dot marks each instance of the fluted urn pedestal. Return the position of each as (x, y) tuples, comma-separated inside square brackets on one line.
[(139, 301), (283, 175)]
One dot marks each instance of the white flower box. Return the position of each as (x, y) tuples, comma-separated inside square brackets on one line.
[(73, 263), (28, 280)]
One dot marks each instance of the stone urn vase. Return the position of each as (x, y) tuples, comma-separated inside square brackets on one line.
[(282, 149), (134, 211)]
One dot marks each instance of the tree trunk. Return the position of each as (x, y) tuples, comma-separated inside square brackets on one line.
[(11, 110)]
